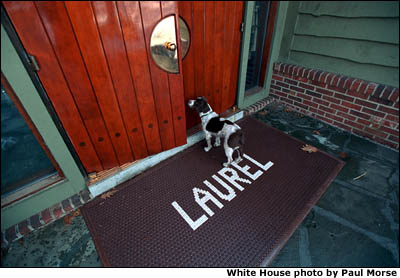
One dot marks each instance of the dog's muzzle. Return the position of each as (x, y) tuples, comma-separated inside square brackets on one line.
[(190, 103)]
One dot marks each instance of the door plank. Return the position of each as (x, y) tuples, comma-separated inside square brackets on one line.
[(185, 10), (176, 80), (230, 10), (58, 27), (236, 51), (132, 29), (28, 24), (115, 52), (209, 44), (151, 14), (85, 28), (198, 47), (220, 19)]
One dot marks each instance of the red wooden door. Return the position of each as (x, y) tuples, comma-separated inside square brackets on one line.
[(210, 67), (115, 104)]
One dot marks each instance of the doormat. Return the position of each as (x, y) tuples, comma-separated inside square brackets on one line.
[(190, 211)]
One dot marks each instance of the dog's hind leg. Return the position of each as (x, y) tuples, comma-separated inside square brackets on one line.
[(228, 153), (217, 141)]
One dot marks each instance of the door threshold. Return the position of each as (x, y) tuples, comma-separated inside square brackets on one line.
[(107, 180)]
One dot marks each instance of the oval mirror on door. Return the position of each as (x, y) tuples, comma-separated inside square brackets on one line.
[(163, 46)]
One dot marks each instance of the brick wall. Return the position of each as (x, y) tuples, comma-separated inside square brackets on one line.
[(364, 108)]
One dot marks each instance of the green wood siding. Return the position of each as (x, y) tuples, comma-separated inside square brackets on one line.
[(357, 39)]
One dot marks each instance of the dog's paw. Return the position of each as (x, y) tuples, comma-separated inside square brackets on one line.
[(239, 159), (207, 149), (217, 144), (226, 164)]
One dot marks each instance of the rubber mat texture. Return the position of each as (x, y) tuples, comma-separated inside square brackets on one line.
[(138, 226)]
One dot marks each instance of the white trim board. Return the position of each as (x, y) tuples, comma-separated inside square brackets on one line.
[(148, 162)]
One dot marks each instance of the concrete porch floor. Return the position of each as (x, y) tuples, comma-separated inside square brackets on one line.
[(354, 224)]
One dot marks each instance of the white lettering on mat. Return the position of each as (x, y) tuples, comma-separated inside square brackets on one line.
[(232, 177)]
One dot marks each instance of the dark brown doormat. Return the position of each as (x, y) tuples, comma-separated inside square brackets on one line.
[(189, 211)]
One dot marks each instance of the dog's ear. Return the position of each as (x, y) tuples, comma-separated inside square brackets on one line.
[(204, 98)]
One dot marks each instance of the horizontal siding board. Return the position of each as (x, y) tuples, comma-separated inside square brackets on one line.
[(364, 52), (351, 8), (379, 29), (381, 74)]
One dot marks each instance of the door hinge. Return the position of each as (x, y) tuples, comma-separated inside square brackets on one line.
[(242, 27), (33, 63)]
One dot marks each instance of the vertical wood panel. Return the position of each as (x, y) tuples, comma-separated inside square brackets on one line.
[(114, 47), (185, 10), (209, 44), (236, 52), (151, 14), (129, 12), (175, 80), (229, 48), (85, 28), (57, 25), (220, 30), (198, 47), (33, 36)]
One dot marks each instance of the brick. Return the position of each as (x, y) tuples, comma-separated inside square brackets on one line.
[(392, 118), (346, 116), (285, 90), (355, 85), (286, 100), (362, 88), (386, 92), (378, 91), (341, 96), (334, 81), (295, 98), (303, 96), (85, 195), (317, 75), (359, 114), (380, 100), (389, 130), (338, 107), (11, 234), (394, 138), (309, 103), (275, 87), (331, 99), (329, 78), (46, 216), (23, 227), (326, 109), (297, 89), (342, 80), (353, 124), (387, 143), (363, 134), (67, 205), (322, 77), (314, 94), (306, 86), (281, 94), (388, 110), (364, 122), (278, 83), (322, 102), (277, 77), (300, 105), (370, 89), (336, 118), (351, 105), (348, 83), (35, 221), (337, 89), (366, 103), (375, 132), (317, 111), (373, 112), (342, 126), (395, 95), (292, 82), (57, 211)]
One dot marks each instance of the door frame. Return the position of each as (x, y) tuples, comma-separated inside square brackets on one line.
[(275, 45), (16, 71)]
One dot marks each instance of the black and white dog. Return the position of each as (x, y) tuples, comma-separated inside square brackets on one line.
[(213, 125)]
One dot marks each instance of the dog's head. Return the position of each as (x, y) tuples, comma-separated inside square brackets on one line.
[(199, 104)]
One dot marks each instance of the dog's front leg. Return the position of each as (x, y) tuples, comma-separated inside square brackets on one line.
[(208, 139)]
